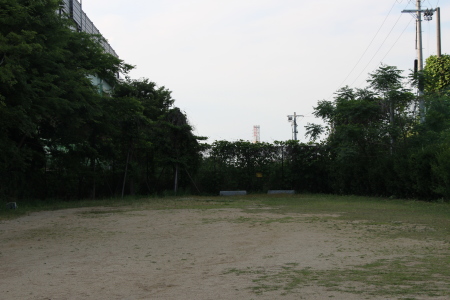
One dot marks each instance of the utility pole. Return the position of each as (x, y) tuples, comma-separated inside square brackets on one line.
[(428, 14), (293, 120), (420, 58), (438, 31), (419, 35)]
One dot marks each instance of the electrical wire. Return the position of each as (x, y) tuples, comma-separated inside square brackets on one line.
[(397, 39), (359, 60), (370, 44), (377, 50)]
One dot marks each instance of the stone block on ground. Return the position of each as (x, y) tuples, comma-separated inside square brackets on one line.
[(281, 192), (232, 193)]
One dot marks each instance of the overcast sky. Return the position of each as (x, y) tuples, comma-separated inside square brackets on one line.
[(232, 64)]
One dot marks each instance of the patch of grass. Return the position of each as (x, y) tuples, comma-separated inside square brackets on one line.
[(252, 220), (382, 215), (405, 276), (400, 277), (420, 270), (102, 213), (428, 217), (27, 207), (245, 271)]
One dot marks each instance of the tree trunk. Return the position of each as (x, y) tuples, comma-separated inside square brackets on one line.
[(126, 171), (93, 166), (391, 121), (175, 189)]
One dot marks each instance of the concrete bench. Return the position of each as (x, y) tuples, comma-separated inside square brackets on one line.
[(280, 192), (11, 205), (232, 193)]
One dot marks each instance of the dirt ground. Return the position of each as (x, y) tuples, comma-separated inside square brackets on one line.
[(100, 253)]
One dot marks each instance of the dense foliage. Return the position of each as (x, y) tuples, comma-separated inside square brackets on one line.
[(258, 167), (375, 144), (61, 137)]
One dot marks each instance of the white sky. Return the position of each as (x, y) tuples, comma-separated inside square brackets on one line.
[(232, 64)]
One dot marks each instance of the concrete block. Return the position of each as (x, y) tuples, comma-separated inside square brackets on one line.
[(280, 192), (11, 205), (232, 193)]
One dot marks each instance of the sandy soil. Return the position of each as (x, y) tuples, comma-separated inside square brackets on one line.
[(99, 253)]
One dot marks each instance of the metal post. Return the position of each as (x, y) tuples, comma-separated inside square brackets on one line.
[(175, 188), (419, 36), (420, 61), (428, 13), (295, 126), (293, 119), (438, 30)]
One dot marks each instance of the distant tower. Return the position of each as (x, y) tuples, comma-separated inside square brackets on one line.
[(256, 134)]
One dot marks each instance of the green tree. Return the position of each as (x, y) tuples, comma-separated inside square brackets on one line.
[(437, 74), (158, 143), (396, 101), (364, 126), (48, 103)]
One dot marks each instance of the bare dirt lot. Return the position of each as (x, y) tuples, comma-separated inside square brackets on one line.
[(101, 253)]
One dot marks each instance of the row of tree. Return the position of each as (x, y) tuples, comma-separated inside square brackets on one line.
[(258, 167), (377, 142), (59, 136)]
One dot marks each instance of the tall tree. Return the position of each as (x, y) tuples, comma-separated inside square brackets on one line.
[(395, 101), (47, 100), (161, 139), (364, 125)]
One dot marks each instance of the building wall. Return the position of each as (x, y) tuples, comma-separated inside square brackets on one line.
[(73, 9), (103, 87)]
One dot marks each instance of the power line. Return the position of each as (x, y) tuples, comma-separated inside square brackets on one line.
[(370, 44), (398, 38), (377, 50), (406, 27)]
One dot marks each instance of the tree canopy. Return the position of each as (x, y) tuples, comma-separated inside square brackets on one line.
[(62, 137), (59, 136)]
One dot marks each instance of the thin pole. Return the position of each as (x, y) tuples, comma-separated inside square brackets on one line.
[(126, 171), (293, 119), (420, 60), (295, 126), (419, 36), (438, 30), (175, 188)]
